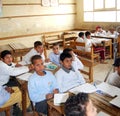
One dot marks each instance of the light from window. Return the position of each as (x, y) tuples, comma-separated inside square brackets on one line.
[(98, 4), (118, 16), (106, 16), (118, 4), (88, 16), (110, 3), (88, 5)]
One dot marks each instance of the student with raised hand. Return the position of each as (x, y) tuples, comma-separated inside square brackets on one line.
[(66, 76), (37, 50), (114, 78), (42, 85), (54, 56), (99, 31), (76, 63), (80, 105)]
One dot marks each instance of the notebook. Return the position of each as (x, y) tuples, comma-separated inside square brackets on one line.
[(102, 114), (116, 101)]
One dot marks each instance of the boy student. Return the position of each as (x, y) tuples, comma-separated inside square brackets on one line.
[(66, 76), (37, 50), (89, 42), (8, 95), (100, 31), (41, 85), (80, 105), (112, 32), (114, 78), (54, 56), (76, 63), (80, 39)]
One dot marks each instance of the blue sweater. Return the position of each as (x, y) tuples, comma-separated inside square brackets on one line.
[(39, 86)]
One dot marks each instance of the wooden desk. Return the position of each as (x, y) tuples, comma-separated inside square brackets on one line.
[(101, 102), (19, 49)]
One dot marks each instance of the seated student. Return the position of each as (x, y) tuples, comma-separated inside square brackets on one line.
[(100, 31), (66, 76), (54, 56), (80, 105), (37, 50), (114, 78), (8, 68), (112, 32), (41, 85), (80, 39), (76, 63), (89, 42)]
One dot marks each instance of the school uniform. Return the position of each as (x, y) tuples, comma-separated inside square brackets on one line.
[(115, 33), (27, 58), (39, 87), (103, 33), (77, 64), (114, 79), (55, 58), (68, 79), (7, 71), (79, 39), (100, 50)]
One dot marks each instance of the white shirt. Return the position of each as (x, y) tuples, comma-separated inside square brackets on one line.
[(7, 71), (114, 79), (28, 56), (77, 64), (114, 33), (4, 96), (103, 33), (69, 80), (79, 39)]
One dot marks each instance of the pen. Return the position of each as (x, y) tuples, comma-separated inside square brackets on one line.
[(95, 85)]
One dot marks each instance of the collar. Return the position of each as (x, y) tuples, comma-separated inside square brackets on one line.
[(67, 70)]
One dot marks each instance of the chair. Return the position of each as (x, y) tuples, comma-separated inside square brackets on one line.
[(6, 110)]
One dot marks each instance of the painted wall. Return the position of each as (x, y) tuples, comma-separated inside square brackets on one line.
[(29, 19), (80, 24)]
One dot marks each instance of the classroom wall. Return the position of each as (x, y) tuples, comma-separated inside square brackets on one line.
[(28, 19), (80, 24)]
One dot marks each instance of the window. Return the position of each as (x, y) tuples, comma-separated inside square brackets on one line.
[(101, 10)]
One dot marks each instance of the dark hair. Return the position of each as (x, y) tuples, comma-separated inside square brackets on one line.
[(4, 53), (37, 43), (87, 33), (55, 44), (35, 57), (117, 62), (65, 55), (81, 34), (67, 50), (76, 105)]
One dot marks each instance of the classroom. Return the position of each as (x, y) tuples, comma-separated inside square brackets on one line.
[(73, 44)]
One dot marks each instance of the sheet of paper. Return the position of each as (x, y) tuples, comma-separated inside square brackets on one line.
[(116, 101), (102, 114), (109, 89), (24, 77), (60, 98), (86, 88)]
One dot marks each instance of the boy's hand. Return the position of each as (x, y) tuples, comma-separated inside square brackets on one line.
[(55, 91), (49, 96), (18, 65), (47, 60), (9, 89), (31, 67)]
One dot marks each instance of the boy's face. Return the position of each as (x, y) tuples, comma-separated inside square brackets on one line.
[(56, 49), (90, 109), (39, 49), (7, 59), (38, 65), (67, 63), (89, 36)]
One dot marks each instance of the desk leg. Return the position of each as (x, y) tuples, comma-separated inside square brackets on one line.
[(24, 99)]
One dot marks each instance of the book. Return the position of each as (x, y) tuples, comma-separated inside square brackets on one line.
[(116, 101)]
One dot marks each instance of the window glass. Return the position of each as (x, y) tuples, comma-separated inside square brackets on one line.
[(98, 4), (88, 5)]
